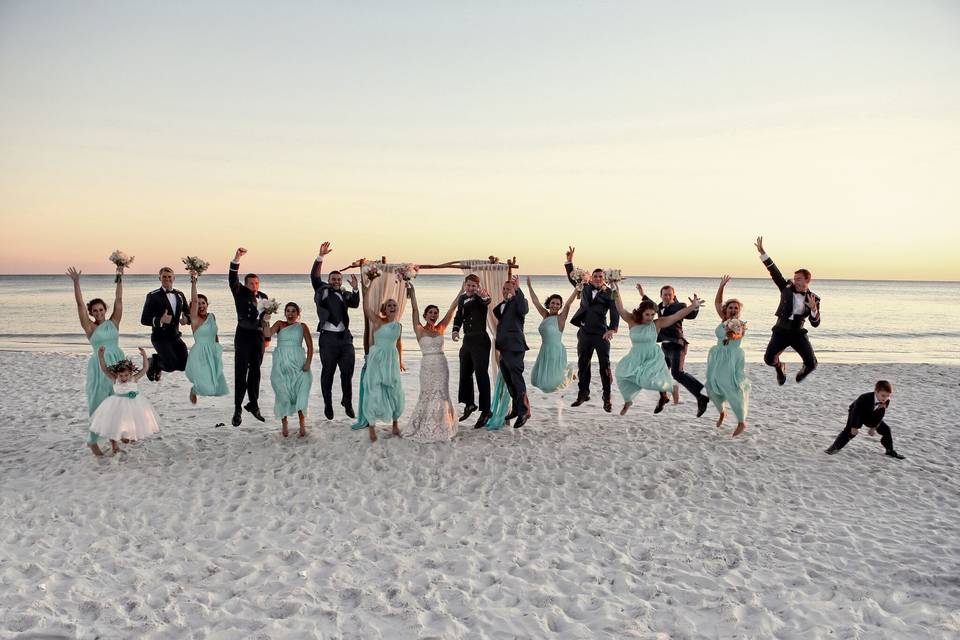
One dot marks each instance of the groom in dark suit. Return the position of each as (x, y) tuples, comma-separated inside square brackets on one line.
[(248, 341), (164, 310), (512, 346), (596, 301), (797, 303), (472, 307), (335, 340)]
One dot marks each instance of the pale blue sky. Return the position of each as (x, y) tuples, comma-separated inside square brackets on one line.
[(622, 127)]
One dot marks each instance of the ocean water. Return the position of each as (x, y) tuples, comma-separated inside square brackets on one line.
[(863, 321)]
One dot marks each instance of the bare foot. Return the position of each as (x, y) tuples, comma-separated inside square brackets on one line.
[(720, 419), (96, 450), (626, 407), (283, 429), (396, 429), (114, 446), (676, 394), (303, 432), (373, 433), (740, 427), (125, 440), (193, 397)]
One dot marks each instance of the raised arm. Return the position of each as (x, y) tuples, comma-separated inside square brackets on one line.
[(718, 301), (268, 329), (695, 303), (522, 305), (194, 302), (352, 300), (565, 311), (535, 300), (775, 274), (414, 310), (446, 318), (233, 277), (316, 275), (143, 366), (103, 364), (308, 339), (627, 317), (118, 299), (85, 321)]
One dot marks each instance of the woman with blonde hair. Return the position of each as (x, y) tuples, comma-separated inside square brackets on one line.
[(381, 392), (727, 382)]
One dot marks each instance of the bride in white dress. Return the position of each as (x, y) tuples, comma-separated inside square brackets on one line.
[(433, 419)]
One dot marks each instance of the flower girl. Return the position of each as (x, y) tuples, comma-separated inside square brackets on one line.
[(125, 415)]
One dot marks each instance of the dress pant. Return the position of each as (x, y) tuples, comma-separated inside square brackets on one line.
[(673, 353), (248, 349), (171, 352), (475, 362), (795, 339), (854, 422), (511, 368), (587, 343), (336, 351)]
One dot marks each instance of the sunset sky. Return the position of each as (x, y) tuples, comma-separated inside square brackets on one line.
[(659, 138)]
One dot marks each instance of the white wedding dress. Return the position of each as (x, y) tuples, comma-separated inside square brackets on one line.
[(433, 419)]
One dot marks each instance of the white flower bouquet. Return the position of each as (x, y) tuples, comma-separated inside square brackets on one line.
[(408, 271), (370, 271), (195, 265), (612, 276), (579, 276), (268, 306), (122, 260), (735, 328)]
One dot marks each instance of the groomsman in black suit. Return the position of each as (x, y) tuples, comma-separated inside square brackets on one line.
[(335, 340), (797, 303), (248, 341), (868, 410), (512, 346), (596, 301), (471, 316), (164, 310), (674, 344)]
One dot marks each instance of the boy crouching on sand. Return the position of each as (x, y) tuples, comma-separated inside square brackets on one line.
[(868, 410)]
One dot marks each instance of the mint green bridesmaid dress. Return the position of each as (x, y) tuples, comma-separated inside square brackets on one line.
[(205, 364), (551, 372), (381, 390), (291, 384), (99, 386), (727, 382), (643, 367)]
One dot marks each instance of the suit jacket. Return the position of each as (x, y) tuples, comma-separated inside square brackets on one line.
[(863, 411), (785, 308), (331, 307), (471, 315), (248, 315), (510, 316), (591, 317), (156, 304), (673, 333)]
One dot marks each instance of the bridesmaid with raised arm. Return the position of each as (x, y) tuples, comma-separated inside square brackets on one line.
[(205, 362), (290, 374), (644, 367), (727, 383), (382, 393), (433, 419), (101, 332), (551, 372)]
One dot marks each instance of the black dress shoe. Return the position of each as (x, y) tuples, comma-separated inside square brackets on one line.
[(510, 416), (607, 405), (803, 373), (894, 454), (662, 402), (468, 411), (831, 451), (781, 374), (328, 412), (348, 409), (580, 400), (522, 420), (482, 420), (255, 411), (237, 418), (702, 403)]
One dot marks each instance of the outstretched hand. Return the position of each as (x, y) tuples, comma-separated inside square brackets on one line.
[(695, 301), (640, 289), (570, 251), (724, 280), (325, 249), (74, 274), (759, 245), (811, 301), (239, 254), (353, 282)]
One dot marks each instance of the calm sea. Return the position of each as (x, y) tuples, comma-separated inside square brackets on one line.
[(863, 321)]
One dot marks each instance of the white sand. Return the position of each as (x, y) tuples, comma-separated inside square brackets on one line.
[(581, 525)]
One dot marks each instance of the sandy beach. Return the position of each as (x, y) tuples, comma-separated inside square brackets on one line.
[(582, 525)]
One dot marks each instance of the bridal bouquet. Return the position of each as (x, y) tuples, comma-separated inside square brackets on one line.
[(407, 271), (612, 276), (735, 328), (579, 276), (122, 260), (195, 265), (371, 271), (268, 306)]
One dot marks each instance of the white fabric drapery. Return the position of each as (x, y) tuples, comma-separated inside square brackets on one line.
[(388, 285)]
